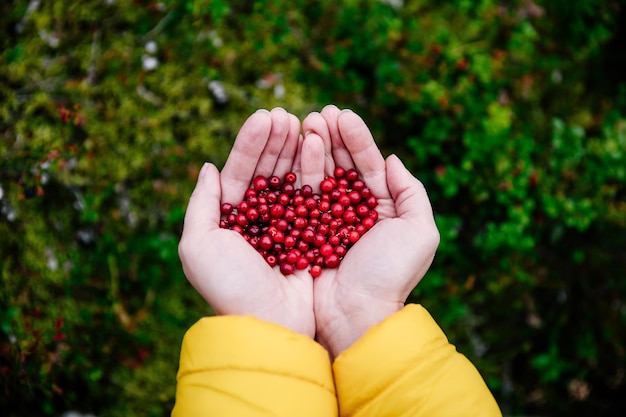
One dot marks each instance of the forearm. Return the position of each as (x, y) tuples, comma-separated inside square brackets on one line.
[(406, 367), (236, 365)]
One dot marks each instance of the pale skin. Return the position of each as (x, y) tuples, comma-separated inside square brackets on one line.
[(376, 276)]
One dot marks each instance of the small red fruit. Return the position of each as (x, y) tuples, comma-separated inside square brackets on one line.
[(260, 183), (316, 271)]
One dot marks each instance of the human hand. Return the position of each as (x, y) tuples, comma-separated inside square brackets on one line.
[(223, 267), (378, 273)]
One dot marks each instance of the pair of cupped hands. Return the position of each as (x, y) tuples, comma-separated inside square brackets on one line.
[(377, 274)]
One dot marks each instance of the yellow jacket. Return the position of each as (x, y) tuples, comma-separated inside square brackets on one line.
[(404, 366)]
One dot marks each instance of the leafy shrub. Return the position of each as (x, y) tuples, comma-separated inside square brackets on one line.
[(511, 113)]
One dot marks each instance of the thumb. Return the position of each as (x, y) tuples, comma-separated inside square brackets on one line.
[(203, 210), (408, 192)]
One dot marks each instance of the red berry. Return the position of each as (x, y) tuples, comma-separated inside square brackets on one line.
[(326, 249), (308, 235), (277, 210), (226, 208), (371, 201), (349, 217), (286, 268), (241, 219), (301, 211), (288, 188), (290, 177), (368, 222), (337, 210), (260, 183), (358, 185), (331, 261), (295, 228), (289, 241), (326, 185), (334, 240), (302, 263), (316, 271), (293, 255), (300, 222), (341, 250), (252, 214), (271, 260), (274, 182), (324, 205), (266, 242), (362, 211), (298, 199), (306, 191)]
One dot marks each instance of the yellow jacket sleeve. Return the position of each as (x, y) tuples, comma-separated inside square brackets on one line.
[(405, 366), (243, 366)]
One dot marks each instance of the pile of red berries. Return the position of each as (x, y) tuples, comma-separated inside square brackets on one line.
[(297, 228)]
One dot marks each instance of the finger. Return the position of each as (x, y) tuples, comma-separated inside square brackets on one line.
[(315, 123), (274, 146), (244, 157), (203, 210), (312, 161), (408, 192), (297, 161), (288, 154), (341, 155), (367, 158)]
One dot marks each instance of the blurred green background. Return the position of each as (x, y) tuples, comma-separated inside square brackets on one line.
[(513, 114)]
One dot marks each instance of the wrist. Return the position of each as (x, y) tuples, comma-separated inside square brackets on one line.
[(341, 327)]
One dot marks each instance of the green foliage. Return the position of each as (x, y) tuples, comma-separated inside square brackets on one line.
[(513, 114)]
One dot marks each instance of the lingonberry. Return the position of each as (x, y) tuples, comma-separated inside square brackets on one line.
[(290, 177), (297, 228), (363, 211), (297, 200), (308, 235), (302, 263), (292, 256), (265, 242), (289, 241), (337, 210), (226, 208), (306, 190), (368, 222), (277, 210), (300, 222), (252, 214), (331, 261), (340, 250), (286, 268), (326, 185), (316, 271), (301, 211), (271, 260), (326, 249), (352, 174), (288, 189), (274, 182), (260, 183)]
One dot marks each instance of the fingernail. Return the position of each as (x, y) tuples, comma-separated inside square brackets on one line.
[(203, 170), (263, 111)]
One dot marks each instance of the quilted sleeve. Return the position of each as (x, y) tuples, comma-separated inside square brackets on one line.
[(243, 366), (405, 366)]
